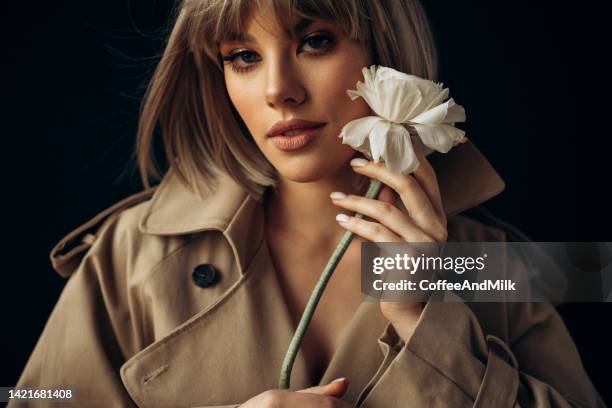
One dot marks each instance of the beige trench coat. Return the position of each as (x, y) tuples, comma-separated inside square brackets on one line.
[(132, 328)]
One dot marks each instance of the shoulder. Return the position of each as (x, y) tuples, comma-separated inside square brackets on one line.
[(112, 227)]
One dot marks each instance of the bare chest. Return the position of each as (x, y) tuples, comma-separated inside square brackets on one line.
[(297, 276)]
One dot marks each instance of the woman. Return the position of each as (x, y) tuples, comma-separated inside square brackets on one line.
[(187, 294)]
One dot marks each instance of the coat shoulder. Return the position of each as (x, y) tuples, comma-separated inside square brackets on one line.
[(67, 254)]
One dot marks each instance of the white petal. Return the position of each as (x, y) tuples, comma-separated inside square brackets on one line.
[(353, 94), (448, 112), (398, 98), (401, 100), (356, 132), (441, 95), (456, 113), (433, 94), (391, 100), (399, 154), (378, 139), (391, 94), (441, 137), (432, 116), (374, 99), (369, 75)]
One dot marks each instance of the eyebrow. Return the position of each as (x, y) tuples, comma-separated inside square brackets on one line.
[(298, 28)]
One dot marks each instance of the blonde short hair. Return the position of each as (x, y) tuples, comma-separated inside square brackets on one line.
[(201, 131)]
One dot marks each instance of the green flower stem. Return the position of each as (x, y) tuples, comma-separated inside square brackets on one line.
[(285, 376)]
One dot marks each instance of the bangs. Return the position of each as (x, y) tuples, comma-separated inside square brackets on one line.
[(212, 21)]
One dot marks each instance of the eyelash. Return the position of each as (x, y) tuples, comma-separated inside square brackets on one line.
[(230, 59)]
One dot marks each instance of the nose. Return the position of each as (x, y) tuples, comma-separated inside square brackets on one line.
[(284, 87)]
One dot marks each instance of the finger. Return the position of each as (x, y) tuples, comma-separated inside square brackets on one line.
[(413, 196), (336, 388), (384, 212), (389, 196), (427, 178), (372, 231)]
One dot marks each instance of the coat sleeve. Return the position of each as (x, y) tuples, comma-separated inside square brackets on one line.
[(89, 332), (450, 361)]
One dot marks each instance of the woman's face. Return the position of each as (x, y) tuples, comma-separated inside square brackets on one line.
[(274, 78)]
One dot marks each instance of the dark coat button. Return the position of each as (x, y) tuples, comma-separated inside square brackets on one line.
[(204, 275)]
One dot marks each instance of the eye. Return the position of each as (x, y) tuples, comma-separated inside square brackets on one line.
[(319, 42), (245, 55)]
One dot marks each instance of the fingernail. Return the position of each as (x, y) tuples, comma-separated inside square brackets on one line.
[(339, 379), (359, 162), (342, 217), (337, 195)]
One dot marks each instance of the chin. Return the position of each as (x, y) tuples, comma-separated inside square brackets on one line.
[(305, 173), (301, 176), (316, 165)]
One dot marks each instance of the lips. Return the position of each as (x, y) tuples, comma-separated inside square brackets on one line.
[(295, 142), (282, 127)]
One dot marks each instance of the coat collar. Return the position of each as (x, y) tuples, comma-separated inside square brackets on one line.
[(465, 177)]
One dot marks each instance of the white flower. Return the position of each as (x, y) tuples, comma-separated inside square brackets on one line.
[(401, 100)]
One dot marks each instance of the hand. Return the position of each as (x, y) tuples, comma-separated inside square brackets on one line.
[(424, 221), (320, 396)]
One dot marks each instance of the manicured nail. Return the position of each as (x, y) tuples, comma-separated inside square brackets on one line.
[(337, 195), (342, 217), (339, 379), (359, 162)]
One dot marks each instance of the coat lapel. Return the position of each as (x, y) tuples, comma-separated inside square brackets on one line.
[(466, 178), (361, 352), (235, 346), (229, 349)]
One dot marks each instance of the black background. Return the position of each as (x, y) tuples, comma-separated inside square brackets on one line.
[(533, 77)]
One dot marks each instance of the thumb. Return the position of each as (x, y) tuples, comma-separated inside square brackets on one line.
[(336, 388)]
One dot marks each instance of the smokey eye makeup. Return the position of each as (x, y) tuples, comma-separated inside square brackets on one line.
[(242, 60)]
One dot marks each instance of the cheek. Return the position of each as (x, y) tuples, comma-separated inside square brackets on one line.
[(242, 96), (334, 78)]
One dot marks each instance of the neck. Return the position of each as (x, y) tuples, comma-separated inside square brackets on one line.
[(305, 211)]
